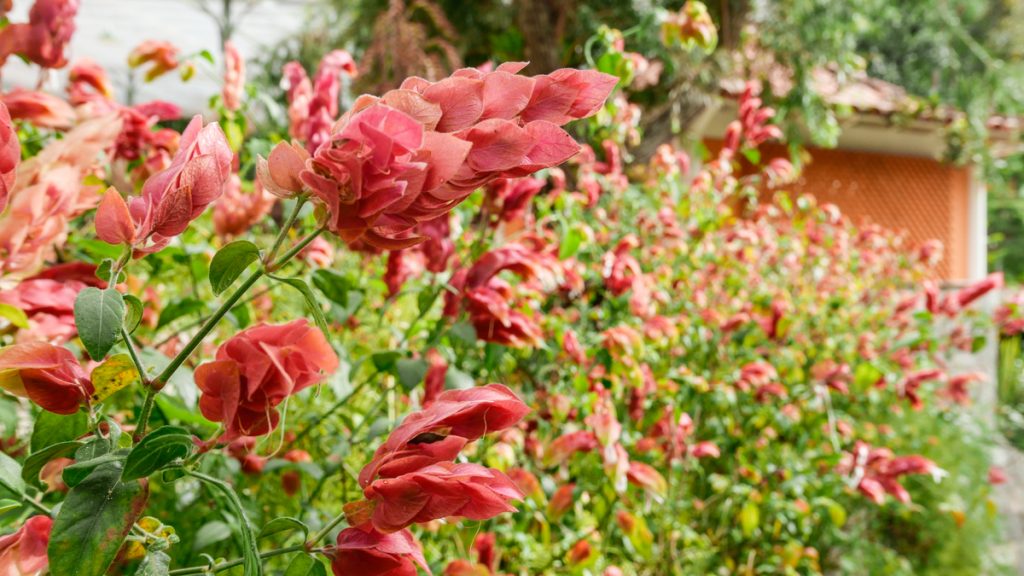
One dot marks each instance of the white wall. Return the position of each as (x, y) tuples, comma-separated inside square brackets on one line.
[(109, 29)]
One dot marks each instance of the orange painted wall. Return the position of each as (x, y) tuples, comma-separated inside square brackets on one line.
[(923, 197)]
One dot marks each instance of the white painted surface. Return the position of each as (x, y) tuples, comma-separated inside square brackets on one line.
[(109, 29), (977, 248)]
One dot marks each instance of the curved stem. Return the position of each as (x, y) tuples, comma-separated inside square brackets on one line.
[(294, 250), (211, 569), (248, 536), (341, 402), (323, 532), (161, 380), (299, 202)]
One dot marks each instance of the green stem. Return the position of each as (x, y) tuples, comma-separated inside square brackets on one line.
[(299, 202), (341, 402), (134, 354), (248, 536), (161, 380), (323, 532), (273, 266), (236, 562), (147, 411)]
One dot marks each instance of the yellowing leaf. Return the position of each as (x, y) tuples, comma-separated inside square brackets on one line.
[(750, 517), (116, 373), (10, 380), (13, 315)]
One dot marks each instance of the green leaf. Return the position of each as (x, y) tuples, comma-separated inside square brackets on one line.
[(105, 268), (78, 472), (385, 361), (159, 448), (282, 525), (179, 309), (305, 565), (132, 313), (10, 475), (334, 286), (93, 522), (34, 463), (411, 372), (464, 332), (571, 242), (53, 428), (234, 133), (311, 302), (750, 517), (13, 315), (116, 373), (99, 315), (457, 379), (211, 533), (252, 564), (6, 505), (174, 409), (229, 263), (156, 563)]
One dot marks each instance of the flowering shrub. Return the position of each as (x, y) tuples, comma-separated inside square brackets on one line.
[(406, 318)]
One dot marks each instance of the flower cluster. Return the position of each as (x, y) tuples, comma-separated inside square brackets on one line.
[(413, 478), (171, 198), (414, 153), (256, 370)]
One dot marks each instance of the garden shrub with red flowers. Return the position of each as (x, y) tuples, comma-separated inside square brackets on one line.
[(450, 329)]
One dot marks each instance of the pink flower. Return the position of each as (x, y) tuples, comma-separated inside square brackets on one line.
[(88, 82), (879, 471), (319, 253), (367, 552), (646, 477), (49, 192), (162, 55), (486, 297), (563, 447), (48, 375), (291, 480), (10, 154), (23, 553), (705, 450), (572, 348), (256, 370), (580, 552), (996, 476), (562, 500), (440, 490), (957, 387), (526, 481), (433, 382), (456, 417), (49, 305), (313, 105), (413, 476), (416, 152), (234, 77), (279, 173), (236, 211), (172, 198), (484, 544), (965, 296), (41, 40), (39, 109)]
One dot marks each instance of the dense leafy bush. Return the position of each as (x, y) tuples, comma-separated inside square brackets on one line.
[(508, 367)]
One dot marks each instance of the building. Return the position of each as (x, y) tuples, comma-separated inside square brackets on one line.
[(887, 170)]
